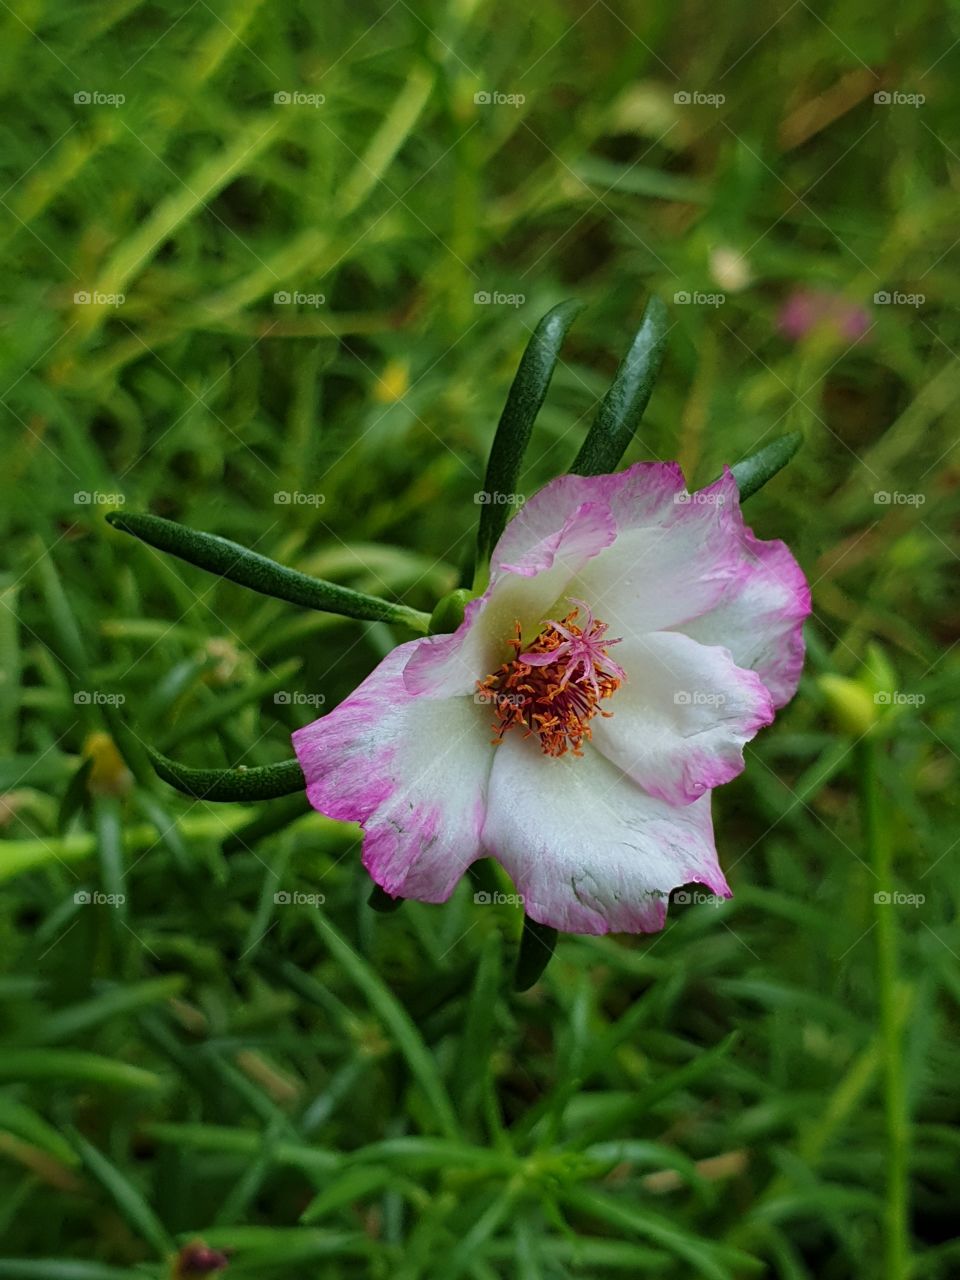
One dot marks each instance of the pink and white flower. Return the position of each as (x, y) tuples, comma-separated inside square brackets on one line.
[(632, 638)]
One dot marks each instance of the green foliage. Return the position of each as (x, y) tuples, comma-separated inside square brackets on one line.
[(332, 1091)]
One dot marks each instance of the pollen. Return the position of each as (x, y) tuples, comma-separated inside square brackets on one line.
[(553, 686)]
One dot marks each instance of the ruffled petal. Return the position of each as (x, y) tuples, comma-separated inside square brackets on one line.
[(412, 771), (679, 722), (521, 591), (760, 616), (675, 554), (587, 848)]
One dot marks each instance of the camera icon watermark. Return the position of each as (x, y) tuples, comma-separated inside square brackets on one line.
[(696, 298), (895, 98), (698, 698), (895, 298), (497, 899), (295, 698), (894, 898), (295, 98), (894, 498), (897, 698), (298, 298), (94, 98), (286, 498), (94, 498), (95, 298), (94, 898), (694, 98), (487, 498), (98, 698), (696, 898), (494, 98), (294, 898), (496, 298)]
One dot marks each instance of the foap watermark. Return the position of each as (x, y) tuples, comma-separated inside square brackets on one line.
[(494, 698), (483, 298), (886, 298), (297, 298), (491, 498), (295, 498), (686, 298), (895, 98), (694, 98), (894, 498), (297, 98), (94, 898), (897, 698), (94, 498), (894, 898), (295, 698), (698, 698), (697, 898), (98, 698), (96, 98), (95, 298), (494, 98), (699, 499), (294, 898), (497, 899)]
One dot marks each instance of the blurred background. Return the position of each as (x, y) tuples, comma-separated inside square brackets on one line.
[(269, 270)]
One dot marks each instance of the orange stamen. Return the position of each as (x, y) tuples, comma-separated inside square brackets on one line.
[(553, 686)]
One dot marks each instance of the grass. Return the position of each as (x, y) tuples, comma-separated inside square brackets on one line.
[(766, 1087)]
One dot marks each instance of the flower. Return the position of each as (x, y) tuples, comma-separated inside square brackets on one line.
[(520, 736), (809, 310)]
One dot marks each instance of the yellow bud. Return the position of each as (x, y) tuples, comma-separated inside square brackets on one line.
[(852, 706), (109, 776), (394, 383)]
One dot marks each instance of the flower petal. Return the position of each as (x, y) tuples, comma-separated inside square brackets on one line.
[(760, 616), (412, 771), (679, 722), (587, 848), (675, 553), (521, 591)]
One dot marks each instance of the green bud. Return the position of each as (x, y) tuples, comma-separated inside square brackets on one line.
[(448, 614), (851, 704)]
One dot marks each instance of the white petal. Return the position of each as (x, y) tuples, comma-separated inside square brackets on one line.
[(412, 771), (587, 848), (680, 719)]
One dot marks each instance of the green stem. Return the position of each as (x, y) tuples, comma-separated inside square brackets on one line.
[(877, 840)]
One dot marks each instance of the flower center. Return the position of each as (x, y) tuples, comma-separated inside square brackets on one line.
[(553, 686)]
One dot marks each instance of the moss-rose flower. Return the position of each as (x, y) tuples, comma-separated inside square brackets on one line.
[(633, 637)]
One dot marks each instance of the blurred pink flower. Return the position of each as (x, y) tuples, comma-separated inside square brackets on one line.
[(808, 309)]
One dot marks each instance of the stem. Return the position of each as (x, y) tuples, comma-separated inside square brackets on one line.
[(876, 837)]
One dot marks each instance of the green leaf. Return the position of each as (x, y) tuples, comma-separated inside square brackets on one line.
[(25, 1123), (263, 782), (10, 663), (352, 1186), (220, 708), (395, 1018), (524, 399), (62, 1269), (108, 826), (75, 795), (76, 1019), (73, 1064), (250, 569), (623, 406), (753, 472), (536, 948), (127, 1197)]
